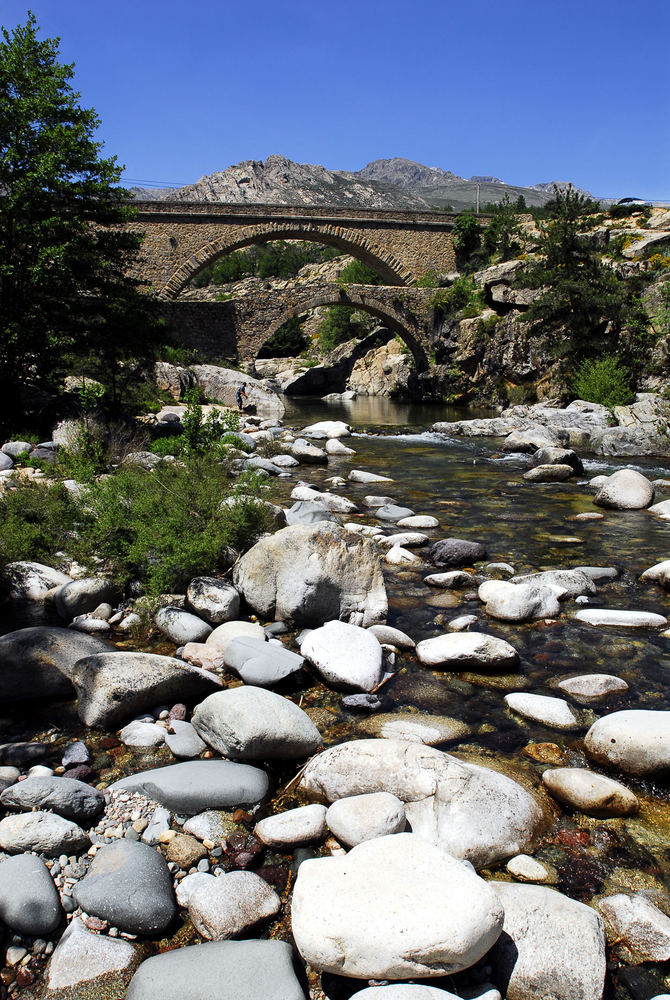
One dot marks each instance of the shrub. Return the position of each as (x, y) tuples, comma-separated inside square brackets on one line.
[(203, 435), (168, 525), (342, 323), (37, 522), (603, 380), (358, 273)]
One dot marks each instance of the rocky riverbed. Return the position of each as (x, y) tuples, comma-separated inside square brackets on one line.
[(416, 744)]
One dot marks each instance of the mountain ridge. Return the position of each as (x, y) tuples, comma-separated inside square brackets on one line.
[(394, 183)]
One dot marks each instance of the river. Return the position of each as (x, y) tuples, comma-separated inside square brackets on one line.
[(477, 493)]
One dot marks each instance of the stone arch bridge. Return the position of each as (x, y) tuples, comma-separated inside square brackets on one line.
[(181, 238)]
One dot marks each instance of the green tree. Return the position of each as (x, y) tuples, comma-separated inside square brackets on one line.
[(584, 306), (63, 257), (502, 236), (466, 235)]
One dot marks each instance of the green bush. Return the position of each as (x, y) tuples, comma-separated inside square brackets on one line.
[(204, 435), (603, 380), (165, 526), (37, 521), (358, 273), (343, 323), (276, 259)]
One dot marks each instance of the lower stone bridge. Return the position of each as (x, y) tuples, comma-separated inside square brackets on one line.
[(237, 329)]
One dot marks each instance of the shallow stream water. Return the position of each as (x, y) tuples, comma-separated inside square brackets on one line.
[(477, 492)]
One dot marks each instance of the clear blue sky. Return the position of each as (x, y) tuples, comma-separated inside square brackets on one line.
[(528, 90)]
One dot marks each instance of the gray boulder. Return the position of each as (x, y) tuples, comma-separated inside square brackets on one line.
[(251, 723), (307, 453), (392, 512), (640, 931), (587, 688), (533, 438), (197, 785), (114, 686), (558, 456), (15, 448), (625, 490), (227, 970), (212, 599), (551, 946), (65, 796), (591, 793), (309, 575), (85, 964), (261, 663), (29, 901), (393, 908), (549, 474), (8, 777), (79, 597), (183, 740), (553, 712), (293, 827), (572, 581), (43, 832), (451, 553), (345, 655), (636, 741), (224, 907), (129, 885), (31, 581), (467, 651), (470, 811), (309, 512), (181, 627), (38, 662), (519, 602)]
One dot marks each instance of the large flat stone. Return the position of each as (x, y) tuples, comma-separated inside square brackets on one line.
[(227, 970), (38, 662), (250, 723), (112, 687), (198, 785)]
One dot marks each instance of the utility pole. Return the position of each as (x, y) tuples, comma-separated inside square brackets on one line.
[(478, 199)]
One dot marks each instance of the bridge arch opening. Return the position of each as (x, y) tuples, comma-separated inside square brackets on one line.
[(389, 269), (358, 301)]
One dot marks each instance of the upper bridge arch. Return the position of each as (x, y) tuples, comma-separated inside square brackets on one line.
[(180, 238), (382, 261)]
